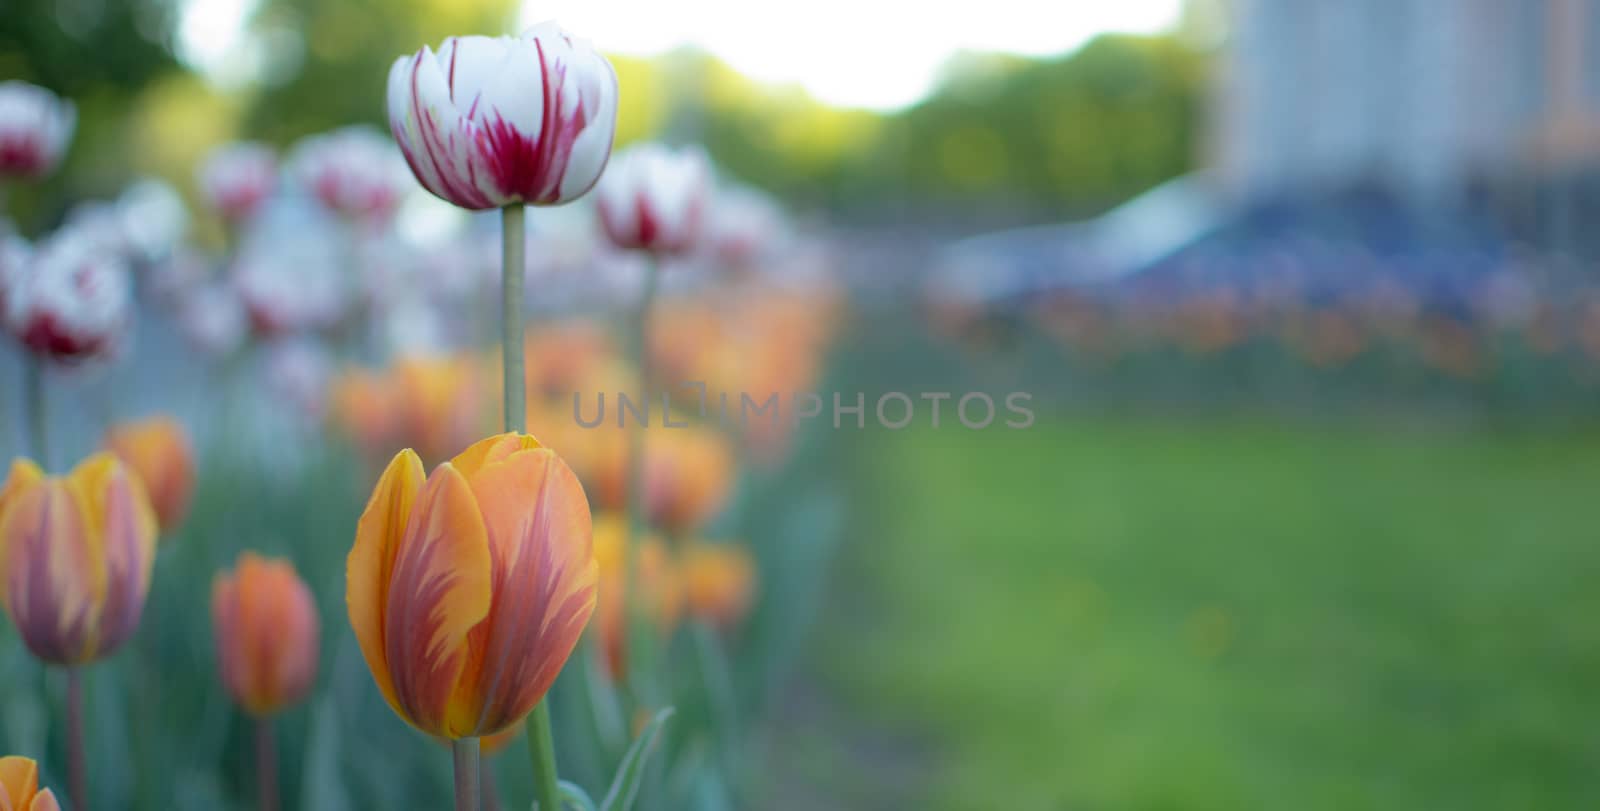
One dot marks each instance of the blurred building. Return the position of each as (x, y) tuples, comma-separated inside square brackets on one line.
[(1430, 98)]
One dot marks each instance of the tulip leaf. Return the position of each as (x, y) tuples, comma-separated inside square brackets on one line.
[(625, 787), (573, 795)]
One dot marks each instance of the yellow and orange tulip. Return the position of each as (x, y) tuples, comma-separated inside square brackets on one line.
[(158, 451), (267, 634), (19, 787), (659, 590), (468, 589), (75, 557), (687, 476), (719, 583)]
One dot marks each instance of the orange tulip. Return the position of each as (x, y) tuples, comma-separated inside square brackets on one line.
[(660, 592), (267, 634), (440, 403), (720, 582), (159, 452), (75, 557), (468, 590), (687, 475), (364, 407), (19, 787)]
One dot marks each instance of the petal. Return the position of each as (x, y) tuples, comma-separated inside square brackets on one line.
[(123, 535), (53, 577), (544, 587), (511, 91), (591, 149), (225, 632), (490, 450), (45, 801), (472, 65), (19, 777), (439, 590), (24, 476), (369, 568)]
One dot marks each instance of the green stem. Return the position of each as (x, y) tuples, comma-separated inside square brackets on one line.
[(639, 351), (77, 764), (467, 780), (513, 269), (541, 743), (34, 394), (266, 765)]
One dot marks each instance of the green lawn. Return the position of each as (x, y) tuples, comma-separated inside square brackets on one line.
[(1136, 614)]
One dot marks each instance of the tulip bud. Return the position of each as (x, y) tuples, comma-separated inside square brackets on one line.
[(159, 453), (236, 178), (19, 787), (654, 199), (75, 557), (73, 303), (267, 634), (687, 475), (492, 121), (468, 590), (659, 590), (35, 126), (354, 171), (719, 582)]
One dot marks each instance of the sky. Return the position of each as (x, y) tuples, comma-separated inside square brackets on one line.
[(875, 54)]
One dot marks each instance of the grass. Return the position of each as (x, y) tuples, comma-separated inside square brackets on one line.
[(1135, 614)]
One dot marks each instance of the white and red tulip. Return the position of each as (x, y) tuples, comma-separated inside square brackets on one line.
[(35, 126), (494, 121), (237, 178), (354, 171), (73, 303), (654, 199)]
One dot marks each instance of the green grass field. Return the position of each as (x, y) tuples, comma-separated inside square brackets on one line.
[(1138, 614)]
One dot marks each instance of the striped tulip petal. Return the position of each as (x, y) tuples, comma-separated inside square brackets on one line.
[(370, 565)]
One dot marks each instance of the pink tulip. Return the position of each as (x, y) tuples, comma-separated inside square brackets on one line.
[(73, 303), (35, 126), (236, 178), (491, 121), (654, 199)]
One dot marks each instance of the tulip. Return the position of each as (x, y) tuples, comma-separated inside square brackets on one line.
[(654, 199), (687, 476), (745, 226), (440, 403), (75, 557), (19, 787), (158, 451), (659, 589), (489, 122), (267, 634), (212, 319), (289, 281), (467, 591), (364, 406), (35, 126), (353, 171), (719, 583), (73, 303), (299, 372), (236, 178)]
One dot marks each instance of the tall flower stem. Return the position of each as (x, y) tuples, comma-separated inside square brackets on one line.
[(639, 350), (541, 743), (266, 765), (34, 395), (467, 781), (77, 764)]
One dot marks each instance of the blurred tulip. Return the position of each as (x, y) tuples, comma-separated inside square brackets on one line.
[(236, 178), (363, 405), (19, 787), (745, 225), (719, 582), (468, 591), (299, 372), (213, 319), (494, 744), (73, 303), (267, 634), (290, 283), (687, 475), (654, 199), (75, 557), (659, 590), (354, 171), (491, 121), (35, 126), (439, 403), (158, 451), (152, 219)]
